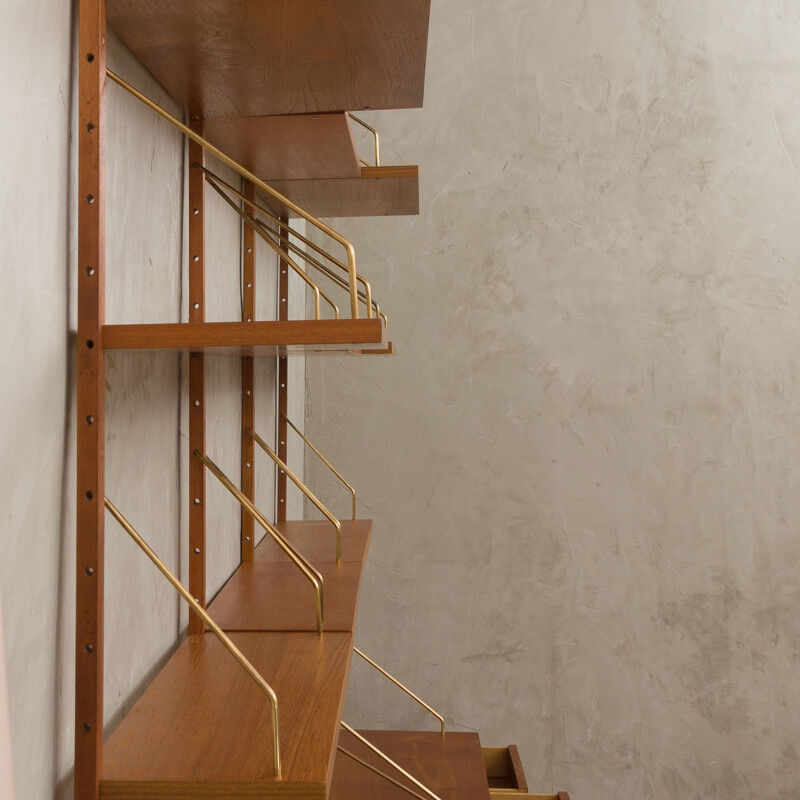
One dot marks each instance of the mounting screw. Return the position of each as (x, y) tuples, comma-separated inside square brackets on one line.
[(197, 550), (195, 258), (90, 127), (90, 271), (197, 403), (89, 344), (197, 501), (247, 538), (89, 495), (249, 249), (90, 57), (247, 464), (89, 571), (90, 198), (249, 285), (195, 211), (89, 648), (248, 393), (196, 306), (90, 420)]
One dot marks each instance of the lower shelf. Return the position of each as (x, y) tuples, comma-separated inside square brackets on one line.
[(202, 729), (451, 766)]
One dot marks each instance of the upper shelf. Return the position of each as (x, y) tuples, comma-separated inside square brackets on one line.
[(376, 192), (246, 58)]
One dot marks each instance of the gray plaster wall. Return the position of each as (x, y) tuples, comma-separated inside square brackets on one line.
[(582, 462), (146, 402)]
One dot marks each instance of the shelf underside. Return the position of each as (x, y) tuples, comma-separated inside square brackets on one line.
[(246, 58), (251, 338), (293, 147), (202, 728), (450, 766), (377, 192), (271, 594)]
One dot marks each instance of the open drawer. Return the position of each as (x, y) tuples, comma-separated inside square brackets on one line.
[(507, 778)]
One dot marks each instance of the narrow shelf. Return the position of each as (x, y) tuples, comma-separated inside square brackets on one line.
[(376, 192), (290, 147), (202, 728), (271, 594), (450, 765), (250, 338), (246, 58)]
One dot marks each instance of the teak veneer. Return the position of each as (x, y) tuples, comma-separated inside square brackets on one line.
[(313, 538), (296, 146), (247, 58), (249, 338), (450, 765), (376, 192), (202, 731)]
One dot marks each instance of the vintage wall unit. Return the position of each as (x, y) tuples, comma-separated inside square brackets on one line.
[(250, 704)]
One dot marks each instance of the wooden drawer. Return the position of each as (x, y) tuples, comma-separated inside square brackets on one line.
[(507, 778)]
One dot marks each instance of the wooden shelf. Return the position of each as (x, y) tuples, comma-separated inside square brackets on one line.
[(250, 338), (377, 192), (271, 594), (248, 58), (298, 146), (202, 730), (451, 766), (314, 540)]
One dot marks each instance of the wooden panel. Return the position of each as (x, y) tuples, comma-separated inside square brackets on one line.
[(378, 192), (244, 338), (91, 402), (313, 538), (289, 147), (276, 596), (202, 728), (249, 58), (197, 383), (451, 766)]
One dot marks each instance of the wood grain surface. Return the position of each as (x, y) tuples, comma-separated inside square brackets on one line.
[(451, 766), (377, 192), (247, 58), (202, 728), (276, 596), (315, 540), (298, 146), (244, 338)]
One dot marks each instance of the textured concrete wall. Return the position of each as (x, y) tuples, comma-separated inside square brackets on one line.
[(146, 447), (582, 463)]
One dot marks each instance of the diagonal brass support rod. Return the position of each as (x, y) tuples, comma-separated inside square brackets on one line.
[(388, 760), (329, 273), (285, 227), (378, 772), (213, 627), (302, 487), (314, 577), (323, 459), (245, 173), (374, 133), (252, 222), (404, 688)]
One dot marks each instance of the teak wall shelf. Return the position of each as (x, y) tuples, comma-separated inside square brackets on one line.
[(250, 704)]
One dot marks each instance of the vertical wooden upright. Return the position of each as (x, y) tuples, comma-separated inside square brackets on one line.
[(197, 389), (91, 402), (283, 381), (248, 389)]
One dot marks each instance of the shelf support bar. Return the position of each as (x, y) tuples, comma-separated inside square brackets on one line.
[(90, 472), (248, 387), (197, 391)]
